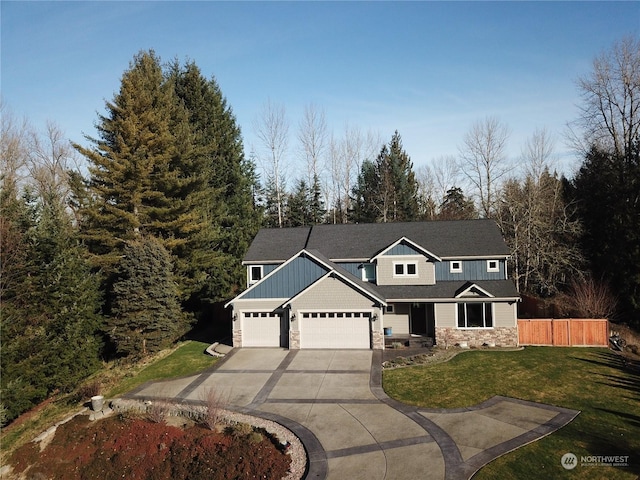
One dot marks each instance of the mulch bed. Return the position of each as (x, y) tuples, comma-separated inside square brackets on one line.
[(122, 447)]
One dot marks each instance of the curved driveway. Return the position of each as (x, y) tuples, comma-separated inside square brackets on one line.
[(334, 402)]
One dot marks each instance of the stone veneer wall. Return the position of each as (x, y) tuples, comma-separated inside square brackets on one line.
[(501, 336), (294, 340), (237, 338), (377, 340)]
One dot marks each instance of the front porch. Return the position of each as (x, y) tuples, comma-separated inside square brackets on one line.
[(412, 341)]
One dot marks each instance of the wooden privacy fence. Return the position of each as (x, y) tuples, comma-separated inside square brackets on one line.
[(565, 332)]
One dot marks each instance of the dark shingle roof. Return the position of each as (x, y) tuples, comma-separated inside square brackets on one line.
[(277, 244), (458, 238)]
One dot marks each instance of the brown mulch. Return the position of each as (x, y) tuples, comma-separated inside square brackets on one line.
[(122, 447)]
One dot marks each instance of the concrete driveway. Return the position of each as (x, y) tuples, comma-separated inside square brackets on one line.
[(334, 402)]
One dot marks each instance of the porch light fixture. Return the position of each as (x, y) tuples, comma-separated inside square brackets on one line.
[(235, 317), (293, 317), (375, 317)]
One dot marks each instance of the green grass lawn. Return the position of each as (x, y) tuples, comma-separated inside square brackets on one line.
[(591, 380), (188, 359)]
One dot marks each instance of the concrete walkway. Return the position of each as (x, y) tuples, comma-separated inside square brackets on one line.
[(334, 402)]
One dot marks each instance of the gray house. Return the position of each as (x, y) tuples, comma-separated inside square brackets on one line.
[(353, 285)]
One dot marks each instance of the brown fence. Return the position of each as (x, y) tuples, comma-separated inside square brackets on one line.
[(566, 332)]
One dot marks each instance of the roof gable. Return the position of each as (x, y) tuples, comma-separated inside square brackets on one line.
[(472, 290), (299, 273), (412, 247)]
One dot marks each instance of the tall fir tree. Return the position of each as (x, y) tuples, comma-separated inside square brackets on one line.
[(387, 189), (232, 213)]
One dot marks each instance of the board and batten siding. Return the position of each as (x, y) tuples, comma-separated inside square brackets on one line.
[(471, 270), (289, 280), (385, 270)]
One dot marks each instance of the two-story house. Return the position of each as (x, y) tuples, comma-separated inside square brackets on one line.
[(347, 286)]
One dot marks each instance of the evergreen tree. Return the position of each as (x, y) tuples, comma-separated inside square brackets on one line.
[(137, 166), (387, 189), (298, 210), (50, 325), (317, 211), (146, 314), (455, 206), (606, 190), (231, 211)]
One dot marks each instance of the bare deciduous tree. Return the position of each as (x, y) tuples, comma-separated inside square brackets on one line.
[(589, 298), (610, 112), (484, 162), (50, 159), (13, 148), (312, 135), (537, 223), (272, 129), (345, 159)]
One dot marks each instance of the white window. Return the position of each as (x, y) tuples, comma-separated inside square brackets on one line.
[(255, 273), (405, 269), (455, 266), (493, 266)]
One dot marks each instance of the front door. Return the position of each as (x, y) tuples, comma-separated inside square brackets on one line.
[(418, 319), (423, 319)]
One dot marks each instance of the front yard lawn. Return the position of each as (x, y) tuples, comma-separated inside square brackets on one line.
[(591, 380)]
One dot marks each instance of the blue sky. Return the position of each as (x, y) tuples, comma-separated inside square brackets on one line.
[(427, 69)]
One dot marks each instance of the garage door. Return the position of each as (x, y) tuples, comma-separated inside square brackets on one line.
[(335, 330), (261, 329)]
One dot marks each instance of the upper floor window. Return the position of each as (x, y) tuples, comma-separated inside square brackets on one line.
[(255, 273), (405, 269), (455, 266), (493, 266), (369, 272)]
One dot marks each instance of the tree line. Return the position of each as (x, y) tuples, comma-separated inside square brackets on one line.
[(114, 248)]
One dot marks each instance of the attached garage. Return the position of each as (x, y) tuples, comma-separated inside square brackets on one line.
[(335, 329), (264, 329)]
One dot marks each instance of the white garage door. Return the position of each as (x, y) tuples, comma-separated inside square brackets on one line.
[(261, 329), (335, 330)]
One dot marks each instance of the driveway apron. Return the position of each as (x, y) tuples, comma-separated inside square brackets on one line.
[(334, 402)]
